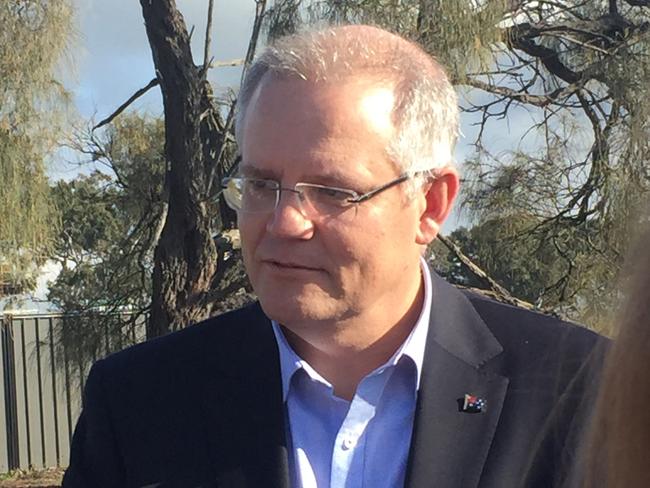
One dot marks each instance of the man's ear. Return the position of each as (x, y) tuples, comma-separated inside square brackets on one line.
[(438, 195)]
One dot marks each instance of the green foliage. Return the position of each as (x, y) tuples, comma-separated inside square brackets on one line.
[(33, 41), (110, 225), (26, 215), (528, 237), (537, 266), (34, 38)]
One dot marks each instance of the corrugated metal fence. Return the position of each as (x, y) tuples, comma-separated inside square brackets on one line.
[(42, 387)]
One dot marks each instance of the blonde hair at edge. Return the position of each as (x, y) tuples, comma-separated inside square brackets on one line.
[(617, 450), (426, 107)]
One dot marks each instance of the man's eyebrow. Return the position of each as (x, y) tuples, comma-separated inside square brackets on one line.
[(254, 172), (333, 178)]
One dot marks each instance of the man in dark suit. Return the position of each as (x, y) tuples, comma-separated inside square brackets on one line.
[(358, 367)]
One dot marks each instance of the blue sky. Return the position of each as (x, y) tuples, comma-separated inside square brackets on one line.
[(113, 57)]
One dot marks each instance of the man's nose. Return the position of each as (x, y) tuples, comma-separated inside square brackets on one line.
[(289, 219)]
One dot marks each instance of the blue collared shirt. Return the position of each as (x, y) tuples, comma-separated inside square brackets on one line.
[(363, 443)]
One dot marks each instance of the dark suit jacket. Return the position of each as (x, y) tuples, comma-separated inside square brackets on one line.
[(203, 406)]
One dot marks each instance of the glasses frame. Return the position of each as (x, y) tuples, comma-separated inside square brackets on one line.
[(355, 197)]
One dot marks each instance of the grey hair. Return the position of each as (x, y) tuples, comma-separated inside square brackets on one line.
[(425, 113)]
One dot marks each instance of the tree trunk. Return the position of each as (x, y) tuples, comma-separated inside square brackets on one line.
[(186, 257)]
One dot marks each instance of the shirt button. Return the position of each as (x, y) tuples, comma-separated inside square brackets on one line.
[(348, 443)]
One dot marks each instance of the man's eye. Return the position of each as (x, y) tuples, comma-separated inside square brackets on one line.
[(332, 193), (259, 185), (329, 195)]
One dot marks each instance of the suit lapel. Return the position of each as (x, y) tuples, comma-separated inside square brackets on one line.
[(244, 413), (449, 447)]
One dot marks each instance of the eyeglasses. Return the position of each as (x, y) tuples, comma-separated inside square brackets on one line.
[(256, 195)]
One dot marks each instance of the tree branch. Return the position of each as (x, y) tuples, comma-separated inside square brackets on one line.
[(133, 98), (208, 37), (521, 37), (250, 54), (522, 97), (260, 8), (501, 293), (232, 62)]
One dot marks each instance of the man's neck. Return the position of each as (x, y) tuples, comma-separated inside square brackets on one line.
[(354, 348)]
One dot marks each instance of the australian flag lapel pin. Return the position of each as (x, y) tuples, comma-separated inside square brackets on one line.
[(473, 404)]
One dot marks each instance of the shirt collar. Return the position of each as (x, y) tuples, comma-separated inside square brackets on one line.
[(413, 347)]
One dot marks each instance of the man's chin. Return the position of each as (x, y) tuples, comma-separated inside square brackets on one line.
[(286, 308)]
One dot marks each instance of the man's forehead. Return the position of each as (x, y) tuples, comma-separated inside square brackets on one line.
[(368, 97)]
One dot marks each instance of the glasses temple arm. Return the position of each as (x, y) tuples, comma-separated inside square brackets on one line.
[(382, 188)]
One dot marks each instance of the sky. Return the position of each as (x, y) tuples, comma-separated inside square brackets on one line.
[(114, 58)]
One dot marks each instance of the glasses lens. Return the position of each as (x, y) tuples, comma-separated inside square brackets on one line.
[(324, 200), (232, 192), (251, 194)]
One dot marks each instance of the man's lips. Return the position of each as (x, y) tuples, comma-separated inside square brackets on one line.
[(290, 265)]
